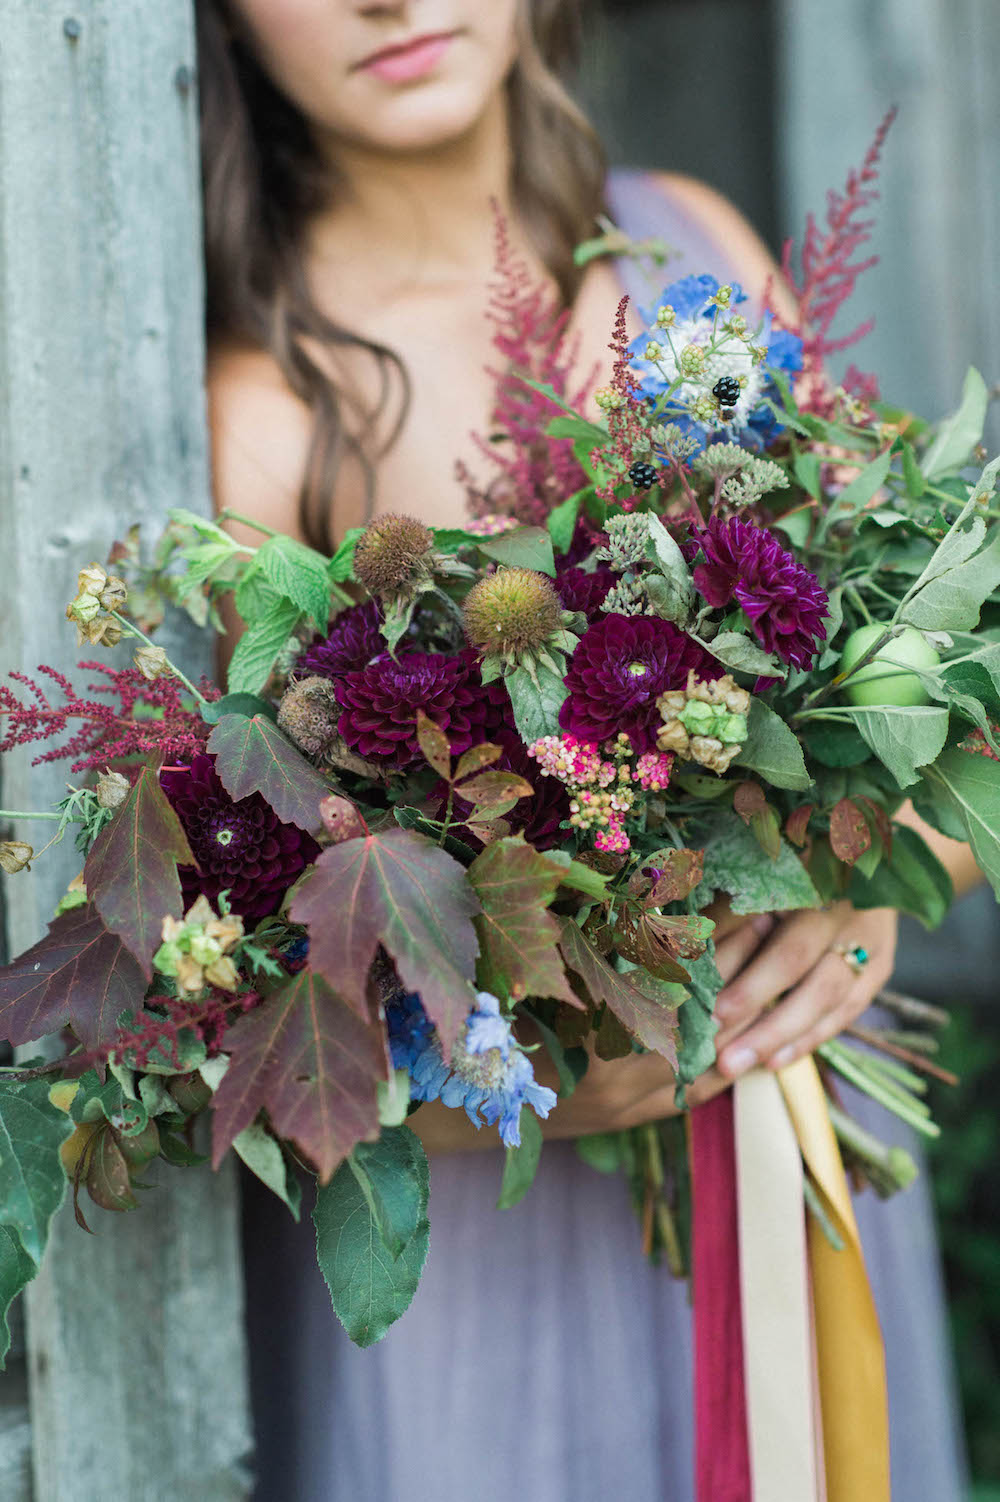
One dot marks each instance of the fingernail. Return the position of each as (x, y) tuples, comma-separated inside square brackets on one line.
[(781, 1058), (762, 924), (736, 1061)]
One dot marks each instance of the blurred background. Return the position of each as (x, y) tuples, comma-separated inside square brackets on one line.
[(771, 102)]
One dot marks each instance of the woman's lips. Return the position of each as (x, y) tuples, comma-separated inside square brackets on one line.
[(410, 61)]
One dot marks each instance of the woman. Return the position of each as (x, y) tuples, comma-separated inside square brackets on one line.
[(352, 151)]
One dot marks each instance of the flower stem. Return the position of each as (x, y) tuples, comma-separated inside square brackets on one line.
[(133, 630), (229, 515), (16, 813)]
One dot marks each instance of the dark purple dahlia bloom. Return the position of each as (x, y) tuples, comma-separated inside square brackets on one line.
[(783, 601), (380, 704), (353, 640), (616, 674), (241, 847), (584, 592)]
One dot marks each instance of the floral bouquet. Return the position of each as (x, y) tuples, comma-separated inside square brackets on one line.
[(470, 792)]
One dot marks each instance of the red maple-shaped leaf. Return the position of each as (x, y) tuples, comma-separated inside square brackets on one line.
[(253, 756), (518, 939), (131, 871), (79, 974), (312, 1064), (646, 1006), (399, 890)]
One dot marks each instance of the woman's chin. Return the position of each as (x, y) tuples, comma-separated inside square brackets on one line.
[(428, 119)]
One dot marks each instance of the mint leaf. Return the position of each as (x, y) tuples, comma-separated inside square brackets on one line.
[(527, 547), (369, 1286), (698, 1027), (299, 573), (259, 646)]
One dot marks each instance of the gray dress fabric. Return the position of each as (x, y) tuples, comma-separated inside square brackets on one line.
[(543, 1359)]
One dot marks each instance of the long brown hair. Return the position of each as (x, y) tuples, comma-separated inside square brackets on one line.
[(263, 178)]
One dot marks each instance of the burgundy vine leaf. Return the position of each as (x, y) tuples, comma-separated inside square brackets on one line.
[(849, 832), (253, 756), (397, 889), (79, 975), (646, 1006), (680, 871), (312, 1064), (434, 745), (656, 941), (131, 871), (749, 799), (797, 823), (518, 939)]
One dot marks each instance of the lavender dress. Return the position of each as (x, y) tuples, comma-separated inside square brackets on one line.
[(542, 1359)]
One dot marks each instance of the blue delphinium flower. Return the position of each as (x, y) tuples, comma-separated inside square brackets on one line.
[(688, 315), (489, 1074)]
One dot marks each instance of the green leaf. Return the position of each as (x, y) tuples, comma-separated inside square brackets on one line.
[(698, 1026), (245, 704), (527, 547), (911, 880), (369, 1287), (796, 526), (131, 871), (299, 573), (959, 434), (734, 863), (860, 491), (601, 1151), (521, 1163), (834, 743), (263, 1156), (16, 1271), (97, 1100), (773, 750), (952, 600), (576, 874), (518, 953), (254, 756), (741, 655), (808, 470), (903, 738), (340, 569), (967, 787), (912, 476), (32, 1178), (562, 521), (536, 702), (674, 597), (570, 1063), (259, 646), (397, 889)]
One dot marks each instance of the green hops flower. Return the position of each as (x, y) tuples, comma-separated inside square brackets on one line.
[(511, 612), (392, 554)]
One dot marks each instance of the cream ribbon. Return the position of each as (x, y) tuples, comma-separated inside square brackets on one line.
[(785, 1447)]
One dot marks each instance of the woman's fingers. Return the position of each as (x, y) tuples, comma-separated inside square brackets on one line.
[(791, 952), (734, 950)]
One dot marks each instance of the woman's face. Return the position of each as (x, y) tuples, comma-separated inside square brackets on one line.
[(397, 76)]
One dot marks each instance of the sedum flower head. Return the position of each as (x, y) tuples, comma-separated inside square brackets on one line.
[(511, 612), (195, 949), (705, 722), (393, 554)]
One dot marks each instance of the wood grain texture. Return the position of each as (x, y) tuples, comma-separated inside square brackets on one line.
[(135, 1336)]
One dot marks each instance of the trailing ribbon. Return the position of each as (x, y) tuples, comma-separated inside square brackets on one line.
[(785, 1453), (850, 1355)]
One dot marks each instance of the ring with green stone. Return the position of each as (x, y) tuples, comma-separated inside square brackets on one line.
[(855, 956)]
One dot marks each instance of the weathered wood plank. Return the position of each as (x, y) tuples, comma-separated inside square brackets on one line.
[(137, 1372)]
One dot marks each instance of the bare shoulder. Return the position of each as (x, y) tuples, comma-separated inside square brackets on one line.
[(260, 432), (723, 221)]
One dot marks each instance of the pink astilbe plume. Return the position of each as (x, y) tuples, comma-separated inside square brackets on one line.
[(534, 472), (827, 278), (103, 731), (626, 427)]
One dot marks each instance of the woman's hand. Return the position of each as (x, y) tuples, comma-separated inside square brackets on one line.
[(819, 992)]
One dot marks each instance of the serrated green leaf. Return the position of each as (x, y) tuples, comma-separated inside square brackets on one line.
[(536, 702), (952, 600), (903, 738), (369, 1287), (521, 1163), (959, 434), (966, 787), (32, 1179), (16, 1271), (527, 547), (340, 569), (772, 750), (263, 1156), (259, 646), (735, 863), (299, 573)]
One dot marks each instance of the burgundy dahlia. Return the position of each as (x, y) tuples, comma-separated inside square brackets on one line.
[(353, 640), (241, 847), (380, 704), (783, 601), (616, 674), (584, 592)]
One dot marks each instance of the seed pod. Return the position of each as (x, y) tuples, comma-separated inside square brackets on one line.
[(108, 1181), (190, 1092)]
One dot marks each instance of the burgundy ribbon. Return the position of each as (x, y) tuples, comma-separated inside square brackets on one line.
[(722, 1456)]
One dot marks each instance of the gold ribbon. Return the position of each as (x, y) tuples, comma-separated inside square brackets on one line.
[(850, 1355), (785, 1454)]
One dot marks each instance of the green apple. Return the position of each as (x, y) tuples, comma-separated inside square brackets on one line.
[(877, 682)]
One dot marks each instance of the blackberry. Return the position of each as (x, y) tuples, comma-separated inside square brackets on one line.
[(726, 391), (642, 475)]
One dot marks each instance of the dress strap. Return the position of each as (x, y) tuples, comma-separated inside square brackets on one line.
[(642, 204)]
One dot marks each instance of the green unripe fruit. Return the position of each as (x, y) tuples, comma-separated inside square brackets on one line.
[(878, 682), (141, 1147)]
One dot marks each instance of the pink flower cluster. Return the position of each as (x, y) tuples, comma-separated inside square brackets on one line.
[(601, 783)]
